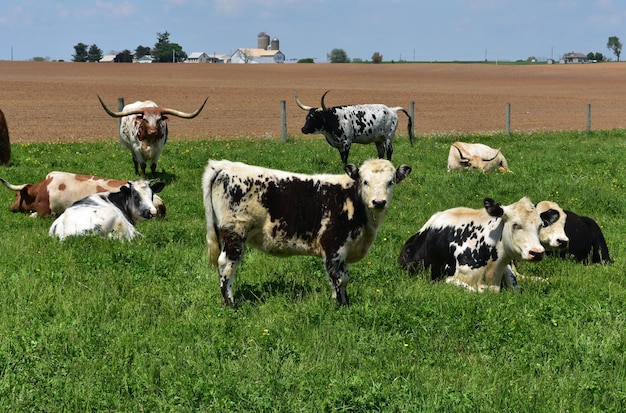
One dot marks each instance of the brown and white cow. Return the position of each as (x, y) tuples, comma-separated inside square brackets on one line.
[(335, 217), (5, 143), (59, 190), (472, 248), (476, 156), (143, 130)]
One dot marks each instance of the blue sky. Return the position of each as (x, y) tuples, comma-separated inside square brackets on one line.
[(425, 30)]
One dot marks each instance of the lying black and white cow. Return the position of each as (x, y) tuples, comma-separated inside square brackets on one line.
[(335, 217), (111, 214), (472, 248), (586, 240)]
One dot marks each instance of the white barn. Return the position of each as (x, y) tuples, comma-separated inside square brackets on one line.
[(249, 55)]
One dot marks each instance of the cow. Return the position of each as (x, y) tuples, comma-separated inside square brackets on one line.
[(344, 125), (59, 190), (551, 235), (335, 217), (476, 156), (111, 214), (5, 143), (472, 248), (586, 240), (143, 130)]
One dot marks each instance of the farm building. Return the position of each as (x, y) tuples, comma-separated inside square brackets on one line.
[(144, 59), (247, 55), (109, 58), (574, 58), (197, 57)]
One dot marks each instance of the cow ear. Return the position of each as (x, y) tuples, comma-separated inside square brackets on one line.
[(158, 187), (549, 217), (493, 208), (352, 171), (125, 189), (402, 172)]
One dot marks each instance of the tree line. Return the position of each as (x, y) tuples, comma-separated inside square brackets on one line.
[(163, 51)]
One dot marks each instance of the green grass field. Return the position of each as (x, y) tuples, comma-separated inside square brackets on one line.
[(92, 324)]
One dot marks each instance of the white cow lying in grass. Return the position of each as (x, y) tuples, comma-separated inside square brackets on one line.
[(111, 214)]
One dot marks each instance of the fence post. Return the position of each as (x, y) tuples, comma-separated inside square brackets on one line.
[(508, 119), (283, 119), (120, 106), (412, 115), (588, 117)]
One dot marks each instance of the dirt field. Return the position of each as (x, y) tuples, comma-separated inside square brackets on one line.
[(49, 102)]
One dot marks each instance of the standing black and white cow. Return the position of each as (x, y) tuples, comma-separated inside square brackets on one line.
[(586, 241), (344, 125), (111, 214), (472, 248), (335, 217)]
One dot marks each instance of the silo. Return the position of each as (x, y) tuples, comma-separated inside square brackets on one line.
[(275, 44), (264, 40)]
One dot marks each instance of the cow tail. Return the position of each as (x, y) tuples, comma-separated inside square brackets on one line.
[(410, 126), (212, 239)]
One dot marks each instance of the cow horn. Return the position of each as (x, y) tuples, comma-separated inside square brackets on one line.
[(460, 153), (300, 104), (13, 187), (323, 96), (496, 155), (185, 115), (119, 114)]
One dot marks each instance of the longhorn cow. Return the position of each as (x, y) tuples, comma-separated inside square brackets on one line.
[(344, 125), (476, 156), (143, 130)]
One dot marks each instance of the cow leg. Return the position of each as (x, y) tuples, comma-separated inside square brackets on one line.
[(136, 166), (380, 148), (143, 169), (344, 154), (153, 169), (227, 263), (338, 274)]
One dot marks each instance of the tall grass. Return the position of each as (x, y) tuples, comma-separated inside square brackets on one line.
[(97, 325)]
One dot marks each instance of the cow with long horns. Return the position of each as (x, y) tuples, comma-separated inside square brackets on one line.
[(143, 130), (344, 125), (476, 156)]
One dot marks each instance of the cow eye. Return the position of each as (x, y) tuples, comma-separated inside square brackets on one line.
[(366, 183), (390, 183), (517, 226)]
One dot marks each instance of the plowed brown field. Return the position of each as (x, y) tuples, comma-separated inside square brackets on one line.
[(56, 101)]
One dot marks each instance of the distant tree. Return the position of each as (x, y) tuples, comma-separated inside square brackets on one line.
[(125, 56), (599, 57), (338, 56), (165, 51), (94, 54), (80, 53), (377, 58), (142, 51), (306, 60), (615, 46), (40, 59)]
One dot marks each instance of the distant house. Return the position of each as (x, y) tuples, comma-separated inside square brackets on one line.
[(250, 55), (143, 59), (110, 58), (574, 58), (197, 57)]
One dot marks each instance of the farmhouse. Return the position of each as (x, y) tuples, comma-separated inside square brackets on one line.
[(574, 58), (197, 57)]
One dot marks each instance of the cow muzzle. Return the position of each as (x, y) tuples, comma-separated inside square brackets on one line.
[(536, 254), (379, 204)]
